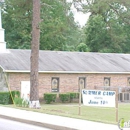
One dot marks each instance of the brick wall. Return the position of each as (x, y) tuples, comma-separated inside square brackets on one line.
[(67, 82)]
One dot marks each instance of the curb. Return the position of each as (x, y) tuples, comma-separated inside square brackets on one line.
[(49, 126)]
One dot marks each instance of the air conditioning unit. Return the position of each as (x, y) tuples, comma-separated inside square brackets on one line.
[(124, 97)]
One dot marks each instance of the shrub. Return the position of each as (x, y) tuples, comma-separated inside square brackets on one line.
[(13, 94), (18, 101), (64, 97), (4, 97), (49, 97), (74, 95)]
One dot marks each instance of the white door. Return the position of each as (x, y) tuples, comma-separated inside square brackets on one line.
[(25, 89)]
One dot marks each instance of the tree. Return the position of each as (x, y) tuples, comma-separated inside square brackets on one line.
[(17, 23), (34, 94), (106, 29), (97, 37), (58, 29), (82, 47)]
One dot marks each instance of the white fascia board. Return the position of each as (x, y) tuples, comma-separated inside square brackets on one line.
[(64, 72), (2, 68)]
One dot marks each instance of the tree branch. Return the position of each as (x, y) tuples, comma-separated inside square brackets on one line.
[(47, 5), (118, 14)]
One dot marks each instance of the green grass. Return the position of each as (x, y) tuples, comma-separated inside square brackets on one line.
[(105, 115)]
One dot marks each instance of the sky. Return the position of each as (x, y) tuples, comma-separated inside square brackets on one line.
[(80, 17)]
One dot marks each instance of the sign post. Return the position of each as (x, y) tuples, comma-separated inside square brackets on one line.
[(80, 96), (116, 101)]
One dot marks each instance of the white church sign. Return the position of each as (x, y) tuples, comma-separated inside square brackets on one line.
[(99, 98)]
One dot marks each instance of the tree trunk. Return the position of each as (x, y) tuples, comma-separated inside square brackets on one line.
[(34, 93)]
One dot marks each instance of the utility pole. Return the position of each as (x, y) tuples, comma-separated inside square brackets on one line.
[(34, 60)]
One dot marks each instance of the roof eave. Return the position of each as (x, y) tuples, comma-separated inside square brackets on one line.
[(64, 72)]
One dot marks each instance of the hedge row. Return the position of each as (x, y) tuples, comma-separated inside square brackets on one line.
[(51, 97), (14, 96), (6, 98)]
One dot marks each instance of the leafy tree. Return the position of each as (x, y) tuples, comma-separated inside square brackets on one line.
[(17, 17), (96, 34), (106, 29), (82, 47), (58, 29)]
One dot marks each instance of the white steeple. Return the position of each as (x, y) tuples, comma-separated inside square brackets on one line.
[(2, 36)]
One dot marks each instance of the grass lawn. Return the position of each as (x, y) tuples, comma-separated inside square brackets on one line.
[(105, 115)]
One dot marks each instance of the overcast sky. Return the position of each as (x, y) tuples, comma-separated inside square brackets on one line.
[(79, 16)]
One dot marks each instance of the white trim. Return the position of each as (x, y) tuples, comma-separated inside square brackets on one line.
[(64, 72), (2, 68), (0, 19)]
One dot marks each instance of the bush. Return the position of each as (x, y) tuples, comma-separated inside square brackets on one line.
[(74, 95), (4, 97), (18, 101), (14, 94), (64, 97), (50, 97)]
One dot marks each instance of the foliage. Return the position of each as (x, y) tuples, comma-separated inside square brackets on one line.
[(17, 23), (64, 97), (21, 102), (82, 47), (4, 97), (58, 29), (106, 28), (97, 37), (15, 98), (14, 94), (102, 38), (50, 97), (7, 98), (18, 101), (74, 95)]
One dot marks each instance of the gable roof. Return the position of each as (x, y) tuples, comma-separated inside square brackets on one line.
[(17, 60)]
